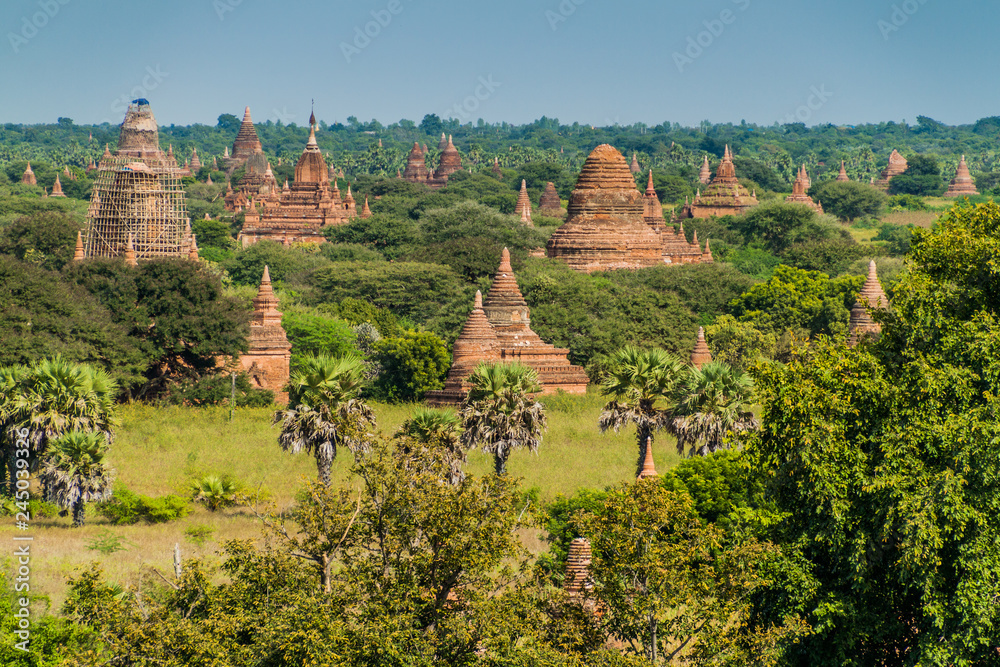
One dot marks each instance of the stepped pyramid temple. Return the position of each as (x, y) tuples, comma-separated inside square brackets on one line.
[(723, 196), (268, 358), (842, 176), (897, 165), (871, 297), (550, 205), (247, 153), (137, 207), (246, 145), (499, 329), (961, 186), (298, 214), (799, 195), (605, 228), (700, 355)]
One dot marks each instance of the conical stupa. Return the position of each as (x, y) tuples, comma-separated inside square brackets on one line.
[(269, 355), (962, 185), (700, 355), (871, 297)]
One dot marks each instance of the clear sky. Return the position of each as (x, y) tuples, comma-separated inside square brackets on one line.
[(593, 61)]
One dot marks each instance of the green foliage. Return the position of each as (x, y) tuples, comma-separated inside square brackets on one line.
[(831, 256), (712, 408), (350, 252), (849, 200), (897, 238), (213, 234), (388, 234), (107, 543), (216, 389), (739, 344), (216, 491), (127, 508), (46, 239), (247, 266), (907, 203), (719, 484), (49, 641), (561, 528), (779, 225), (314, 332), (754, 262), (411, 364), (799, 300), (199, 534)]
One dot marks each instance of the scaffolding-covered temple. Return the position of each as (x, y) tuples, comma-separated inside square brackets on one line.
[(137, 192)]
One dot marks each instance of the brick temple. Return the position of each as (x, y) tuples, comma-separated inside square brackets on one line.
[(416, 168), (871, 297), (298, 213), (897, 165), (799, 188), (269, 356), (962, 185), (499, 329), (550, 204), (723, 196)]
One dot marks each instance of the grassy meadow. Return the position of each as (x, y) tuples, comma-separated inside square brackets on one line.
[(160, 450)]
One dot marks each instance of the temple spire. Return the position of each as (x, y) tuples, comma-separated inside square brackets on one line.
[(78, 253), (648, 468), (700, 355), (130, 251)]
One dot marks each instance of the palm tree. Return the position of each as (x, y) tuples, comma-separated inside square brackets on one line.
[(714, 402), (324, 410), (52, 398), (75, 473), (435, 432), (215, 491), (499, 414), (642, 384)]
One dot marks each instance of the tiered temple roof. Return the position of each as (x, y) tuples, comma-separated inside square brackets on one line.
[(500, 329), (962, 185), (269, 355), (246, 144), (605, 228), (723, 196), (299, 213), (523, 207), (448, 164), (652, 210), (871, 297), (577, 579), (195, 161), (897, 165), (799, 188), (700, 355), (550, 203)]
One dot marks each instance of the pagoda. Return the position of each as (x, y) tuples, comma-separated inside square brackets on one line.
[(705, 175), (872, 297), (550, 204), (416, 169), (508, 317), (299, 213), (652, 210), (634, 166), (723, 196), (799, 195), (448, 164), (605, 228), (496, 168), (842, 176), (246, 144), (269, 355), (648, 466), (28, 177), (962, 185), (700, 355), (897, 165), (523, 207), (137, 206), (57, 188), (577, 579)]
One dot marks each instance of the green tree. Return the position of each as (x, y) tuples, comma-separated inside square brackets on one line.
[(324, 410), (412, 364), (778, 225), (247, 266), (75, 473), (922, 177), (500, 414), (433, 429), (641, 384), (713, 403), (739, 344), (46, 239), (850, 200)]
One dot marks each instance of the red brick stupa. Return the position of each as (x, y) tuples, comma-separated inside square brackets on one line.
[(872, 297), (57, 188), (961, 186), (28, 177), (507, 337), (449, 163), (550, 205), (897, 165), (269, 355), (705, 176), (700, 355), (842, 176), (605, 228), (634, 166), (723, 196), (416, 169), (246, 144), (799, 195), (578, 559)]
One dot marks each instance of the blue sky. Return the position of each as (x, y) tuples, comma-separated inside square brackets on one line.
[(592, 61)]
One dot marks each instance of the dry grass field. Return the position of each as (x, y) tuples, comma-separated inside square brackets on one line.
[(161, 450)]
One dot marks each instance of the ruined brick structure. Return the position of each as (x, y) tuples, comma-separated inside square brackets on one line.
[(897, 165), (799, 195)]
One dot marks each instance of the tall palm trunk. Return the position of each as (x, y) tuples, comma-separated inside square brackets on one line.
[(643, 433), (79, 513), (499, 465), (324, 463)]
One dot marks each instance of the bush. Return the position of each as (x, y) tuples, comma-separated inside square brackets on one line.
[(216, 491), (217, 389), (558, 521), (717, 483), (411, 365), (897, 238), (127, 508)]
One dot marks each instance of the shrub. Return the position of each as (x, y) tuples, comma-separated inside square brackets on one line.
[(216, 491), (128, 507), (217, 389)]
